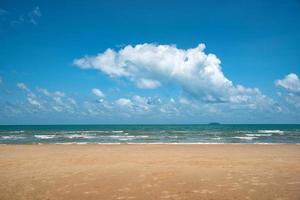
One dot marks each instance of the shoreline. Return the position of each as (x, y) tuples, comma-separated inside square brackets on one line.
[(179, 144)]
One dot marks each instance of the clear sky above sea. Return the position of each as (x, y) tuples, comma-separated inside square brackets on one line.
[(149, 61)]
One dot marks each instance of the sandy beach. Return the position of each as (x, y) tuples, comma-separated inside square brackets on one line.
[(150, 172)]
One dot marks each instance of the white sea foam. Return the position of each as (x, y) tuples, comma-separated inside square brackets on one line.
[(142, 136), (14, 132), (74, 136), (121, 136), (259, 135), (177, 143), (12, 137), (173, 137), (66, 143), (82, 143), (245, 138), (125, 139), (243, 131), (44, 137), (128, 136), (271, 131), (180, 131), (117, 131), (81, 132)]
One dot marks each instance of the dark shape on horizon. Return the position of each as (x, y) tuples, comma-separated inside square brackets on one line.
[(214, 123)]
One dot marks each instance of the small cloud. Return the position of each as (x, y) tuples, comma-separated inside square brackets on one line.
[(98, 92), (29, 17), (3, 12), (144, 83), (59, 101), (51, 94), (290, 82), (123, 102), (36, 12), (34, 102), (172, 100), (22, 86), (184, 101), (72, 101), (34, 15), (31, 97)]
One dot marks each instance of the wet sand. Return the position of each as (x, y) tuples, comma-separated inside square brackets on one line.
[(145, 172)]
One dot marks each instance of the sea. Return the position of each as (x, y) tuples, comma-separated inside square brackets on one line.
[(151, 134)]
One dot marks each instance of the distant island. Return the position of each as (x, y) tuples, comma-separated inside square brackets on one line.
[(214, 123)]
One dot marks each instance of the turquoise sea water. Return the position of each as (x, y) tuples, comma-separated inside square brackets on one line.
[(152, 134)]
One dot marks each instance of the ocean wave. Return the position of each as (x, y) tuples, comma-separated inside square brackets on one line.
[(121, 136), (173, 137), (100, 143), (74, 136), (243, 131), (217, 138), (128, 136), (245, 138), (117, 131), (11, 132), (45, 136), (12, 137), (81, 132), (181, 131), (259, 135), (71, 143), (271, 131), (173, 143), (69, 136)]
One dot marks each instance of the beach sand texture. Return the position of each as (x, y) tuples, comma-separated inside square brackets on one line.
[(144, 172)]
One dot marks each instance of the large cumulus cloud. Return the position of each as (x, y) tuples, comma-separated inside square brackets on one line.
[(150, 66)]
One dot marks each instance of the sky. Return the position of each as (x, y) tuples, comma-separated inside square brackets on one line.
[(149, 62)]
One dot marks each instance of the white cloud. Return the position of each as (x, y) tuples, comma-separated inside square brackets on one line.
[(123, 102), (147, 83), (22, 86), (72, 101), (184, 101), (98, 92), (34, 14), (142, 104), (172, 100), (34, 102), (30, 17), (55, 96), (150, 65), (59, 100), (3, 12), (28, 92), (290, 82), (48, 101), (31, 97), (51, 94), (293, 99)]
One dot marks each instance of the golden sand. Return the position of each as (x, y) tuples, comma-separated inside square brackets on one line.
[(144, 172)]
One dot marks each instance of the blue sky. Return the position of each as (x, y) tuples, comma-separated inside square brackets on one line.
[(169, 62)]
